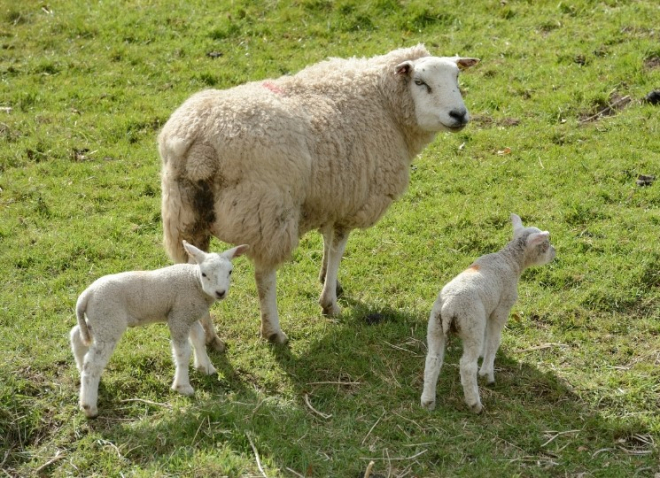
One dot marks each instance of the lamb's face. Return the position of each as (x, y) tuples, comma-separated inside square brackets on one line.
[(215, 275), (434, 88)]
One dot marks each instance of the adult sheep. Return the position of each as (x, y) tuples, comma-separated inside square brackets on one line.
[(328, 148)]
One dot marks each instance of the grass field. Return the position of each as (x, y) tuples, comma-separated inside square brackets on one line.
[(560, 135)]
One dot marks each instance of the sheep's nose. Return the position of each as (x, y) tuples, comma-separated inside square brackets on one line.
[(220, 294), (460, 115)]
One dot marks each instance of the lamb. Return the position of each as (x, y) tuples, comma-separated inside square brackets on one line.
[(475, 305), (179, 295), (326, 149)]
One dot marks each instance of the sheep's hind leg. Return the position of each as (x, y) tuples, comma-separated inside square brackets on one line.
[(434, 358), (78, 348), (93, 364), (472, 346), (334, 253), (266, 278), (327, 244), (202, 361), (211, 336)]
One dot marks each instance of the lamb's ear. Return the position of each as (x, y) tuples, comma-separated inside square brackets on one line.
[(517, 222), (537, 238), (404, 68), (465, 63), (197, 254), (236, 251)]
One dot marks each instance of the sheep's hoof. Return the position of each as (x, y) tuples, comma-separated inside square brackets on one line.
[(476, 408), (332, 310), (428, 404), (184, 389), (206, 369), (278, 338), (90, 411), (216, 344)]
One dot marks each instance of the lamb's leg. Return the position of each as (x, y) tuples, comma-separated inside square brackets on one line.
[(211, 337), (492, 343), (472, 345), (434, 357), (201, 361), (93, 364), (266, 278), (181, 353), (327, 233), (78, 348), (328, 299)]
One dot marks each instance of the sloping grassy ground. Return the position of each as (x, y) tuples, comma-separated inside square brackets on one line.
[(560, 135)]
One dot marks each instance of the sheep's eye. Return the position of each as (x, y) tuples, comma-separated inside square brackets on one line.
[(230, 272), (419, 82), (203, 274)]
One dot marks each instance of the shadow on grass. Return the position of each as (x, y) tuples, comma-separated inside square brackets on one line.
[(356, 398)]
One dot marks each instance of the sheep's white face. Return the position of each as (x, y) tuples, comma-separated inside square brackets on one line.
[(214, 269), (538, 251), (434, 88)]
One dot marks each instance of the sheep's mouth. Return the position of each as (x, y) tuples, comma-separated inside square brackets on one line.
[(456, 127)]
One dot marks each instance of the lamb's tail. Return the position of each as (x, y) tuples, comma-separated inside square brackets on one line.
[(81, 308), (447, 320), (186, 206)]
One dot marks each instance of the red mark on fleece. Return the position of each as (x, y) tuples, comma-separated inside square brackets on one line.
[(472, 268), (273, 87)]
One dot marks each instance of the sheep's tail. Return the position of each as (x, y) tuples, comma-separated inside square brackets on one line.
[(186, 205), (447, 320), (81, 308)]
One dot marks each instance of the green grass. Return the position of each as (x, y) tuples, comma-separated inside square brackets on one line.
[(85, 88)]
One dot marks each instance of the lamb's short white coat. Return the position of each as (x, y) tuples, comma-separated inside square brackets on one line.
[(179, 295), (328, 148), (476, 305)]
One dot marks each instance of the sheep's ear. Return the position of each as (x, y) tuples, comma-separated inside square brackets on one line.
[(537, 238), (465, 63), (236, 251), (517, 222), (197, 254), (404, 68)]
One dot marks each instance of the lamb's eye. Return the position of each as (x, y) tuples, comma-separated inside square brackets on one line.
[(203, 274), (230, 272)]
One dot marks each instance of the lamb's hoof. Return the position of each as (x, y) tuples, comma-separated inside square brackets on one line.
[(277, 338), (476, 408), (206, 369), (184, 389), (90, 411), (428, 404), (216, 344)]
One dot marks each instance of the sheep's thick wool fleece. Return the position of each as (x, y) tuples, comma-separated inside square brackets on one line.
[(267, 161)]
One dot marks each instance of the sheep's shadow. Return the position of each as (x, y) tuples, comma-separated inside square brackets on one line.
[(366, 371)]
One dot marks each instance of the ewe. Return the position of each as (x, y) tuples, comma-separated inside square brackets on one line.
[(179, 295), (475, 305), (328, 148)]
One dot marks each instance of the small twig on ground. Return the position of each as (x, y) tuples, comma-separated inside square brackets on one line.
[(330, 382), (541, 347), (397, 458), (320, 414), (372, 429), (58, 456), (556, 434), (370, 466), (148, 402), (294, 472), (256, 455)]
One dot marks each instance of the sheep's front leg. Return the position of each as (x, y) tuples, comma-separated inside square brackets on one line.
[(492, 342), (434, 358), (181, 353), (327, 233), (211, 337), (202, 361), (334, 253), (266, 278)]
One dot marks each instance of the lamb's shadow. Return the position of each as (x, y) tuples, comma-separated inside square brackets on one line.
[(365, 371)]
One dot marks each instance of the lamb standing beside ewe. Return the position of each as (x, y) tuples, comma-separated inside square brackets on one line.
[(179, 295), (475, 305), (328, 148)]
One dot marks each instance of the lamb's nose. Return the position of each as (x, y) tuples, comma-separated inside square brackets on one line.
[(460, 115), (220, 293)]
